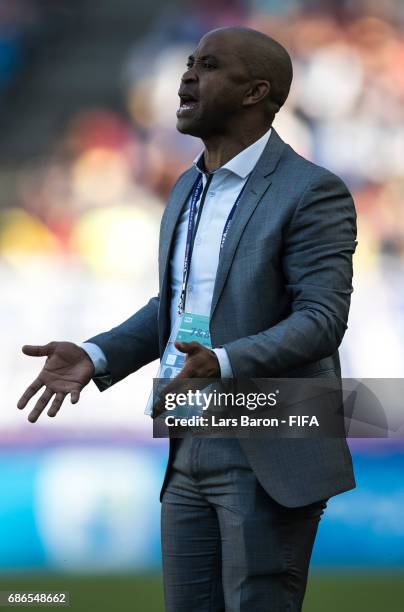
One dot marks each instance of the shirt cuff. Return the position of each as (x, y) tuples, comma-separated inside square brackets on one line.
[(97, 356), (224, 363)]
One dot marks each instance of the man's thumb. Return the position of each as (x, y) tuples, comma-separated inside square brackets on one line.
[(38, 351), (188, 347)]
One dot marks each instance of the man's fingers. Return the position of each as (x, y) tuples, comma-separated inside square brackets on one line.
[(56, 404), (74, 397), (40, 405), (174, 386), (29, 392), (181, 384), (37, 350)]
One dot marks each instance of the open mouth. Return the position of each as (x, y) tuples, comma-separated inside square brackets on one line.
[(187, 104)]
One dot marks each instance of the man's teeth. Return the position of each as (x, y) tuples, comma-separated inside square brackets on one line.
[(188, 105)]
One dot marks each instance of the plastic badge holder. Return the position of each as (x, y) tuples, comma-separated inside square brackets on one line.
[(188, 327)]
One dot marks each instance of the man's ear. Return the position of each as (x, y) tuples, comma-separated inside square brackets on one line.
[(257, 91)]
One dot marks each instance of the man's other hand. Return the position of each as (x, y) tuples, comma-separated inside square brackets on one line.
[(67, 369), (200, 362)]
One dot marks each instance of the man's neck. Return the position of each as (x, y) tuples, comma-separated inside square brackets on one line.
[(221, 149)]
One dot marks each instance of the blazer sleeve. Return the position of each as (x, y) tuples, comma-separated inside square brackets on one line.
[(130, 345), (318, 246)]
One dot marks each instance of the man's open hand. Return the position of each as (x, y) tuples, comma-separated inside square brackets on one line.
[(67, 369)]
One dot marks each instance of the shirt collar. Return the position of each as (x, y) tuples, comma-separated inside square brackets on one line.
[(243, 163)]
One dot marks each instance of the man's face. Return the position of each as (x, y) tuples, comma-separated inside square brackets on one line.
[(213, 87)]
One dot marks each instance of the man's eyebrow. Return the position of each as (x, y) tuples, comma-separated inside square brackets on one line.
[(210, 57), (202, 58)]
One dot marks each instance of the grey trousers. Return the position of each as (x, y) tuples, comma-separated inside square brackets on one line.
[(227, 545)]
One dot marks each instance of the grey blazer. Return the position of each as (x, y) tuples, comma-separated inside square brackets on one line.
[(280, 306)]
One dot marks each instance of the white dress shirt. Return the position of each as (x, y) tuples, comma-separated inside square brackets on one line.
[(226, 184)]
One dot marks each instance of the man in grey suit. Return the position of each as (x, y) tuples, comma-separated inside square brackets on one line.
[(272, 269)]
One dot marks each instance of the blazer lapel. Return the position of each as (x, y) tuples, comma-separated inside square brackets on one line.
[(178, 198), (175, 205), (258, 183)]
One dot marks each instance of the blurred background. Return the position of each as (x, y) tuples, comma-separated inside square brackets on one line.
[(88, 154)]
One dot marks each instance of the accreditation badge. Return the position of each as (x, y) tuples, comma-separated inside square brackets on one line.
[(189, 327)]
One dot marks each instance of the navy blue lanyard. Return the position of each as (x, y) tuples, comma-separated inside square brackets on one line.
[(199, 192)]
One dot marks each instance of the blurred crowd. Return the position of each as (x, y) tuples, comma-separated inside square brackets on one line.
[(23, 25), (100, 191), (18, 24)]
